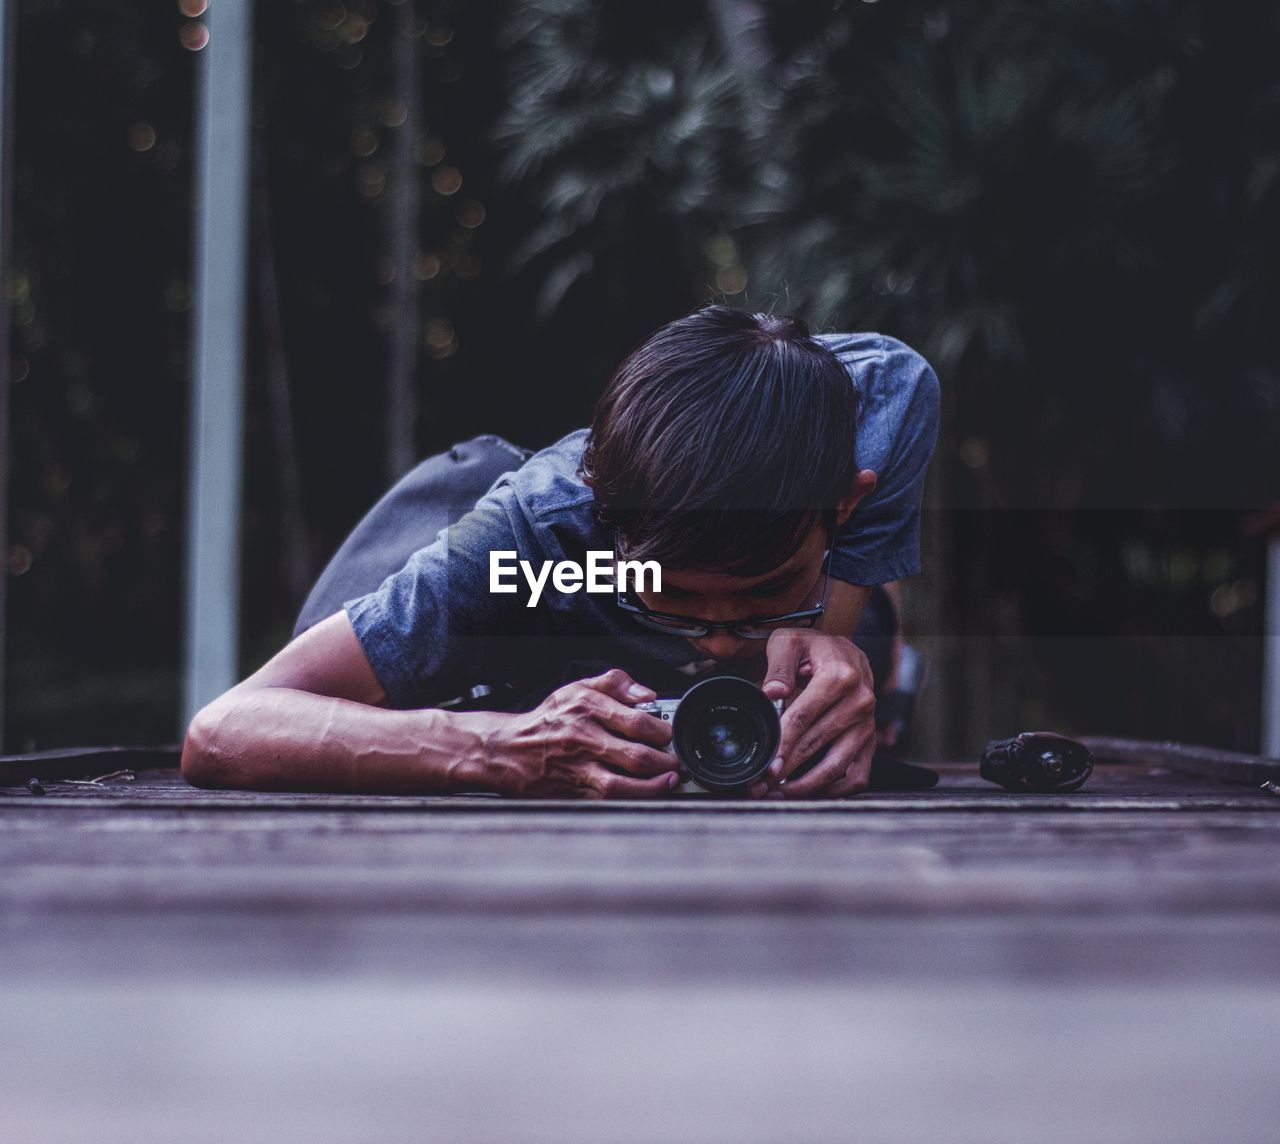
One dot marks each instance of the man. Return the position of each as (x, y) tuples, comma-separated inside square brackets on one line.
[(775, 478)]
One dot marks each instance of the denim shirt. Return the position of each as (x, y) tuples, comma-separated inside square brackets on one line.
[(433, 629)]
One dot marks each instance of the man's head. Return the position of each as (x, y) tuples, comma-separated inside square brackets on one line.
[(721, 440), (723, 448)]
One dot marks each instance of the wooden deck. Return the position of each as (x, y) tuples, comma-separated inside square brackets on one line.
[(953, 965)]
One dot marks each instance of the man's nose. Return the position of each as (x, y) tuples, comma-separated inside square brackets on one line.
[(721, 645)]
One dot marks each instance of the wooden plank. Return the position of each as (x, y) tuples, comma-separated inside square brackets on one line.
[(959, 786), (592, 950), (491, 856), (469, 1062), (955, 965)]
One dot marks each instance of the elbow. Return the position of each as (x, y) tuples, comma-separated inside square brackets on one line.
[(201, 757)]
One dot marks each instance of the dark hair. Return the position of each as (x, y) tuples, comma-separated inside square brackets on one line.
[(720, 440)]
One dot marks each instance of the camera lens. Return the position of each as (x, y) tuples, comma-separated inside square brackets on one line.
[(726, 740), (726, 732)]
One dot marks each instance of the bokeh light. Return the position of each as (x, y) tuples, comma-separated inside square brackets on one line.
[(331, 18), (371, 179), (447, 180), (974, 453), (439, 337), (20, 560), (722, 251), (193, 36), (142, 137), (354, 30), (731, 280), (177, 297), (393, 113)]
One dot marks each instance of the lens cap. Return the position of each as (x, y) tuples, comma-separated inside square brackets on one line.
[(726, 732)]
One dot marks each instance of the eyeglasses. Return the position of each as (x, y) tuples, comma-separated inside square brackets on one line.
[(752, 628)]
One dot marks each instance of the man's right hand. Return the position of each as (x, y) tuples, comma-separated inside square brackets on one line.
[(585, 740)]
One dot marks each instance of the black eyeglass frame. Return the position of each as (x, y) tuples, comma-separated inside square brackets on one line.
[(690, 627)]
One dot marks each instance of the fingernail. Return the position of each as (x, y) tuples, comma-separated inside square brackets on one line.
[(775, 769), (673, 781), (636, 691), (774, 688)]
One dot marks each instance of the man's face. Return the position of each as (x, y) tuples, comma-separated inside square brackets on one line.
[(724, 597)]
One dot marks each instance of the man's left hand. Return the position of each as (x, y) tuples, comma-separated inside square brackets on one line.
[(830, 706)]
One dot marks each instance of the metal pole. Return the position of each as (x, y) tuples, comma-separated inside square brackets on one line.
[(7, 15), (1271, 652), (217, 407)]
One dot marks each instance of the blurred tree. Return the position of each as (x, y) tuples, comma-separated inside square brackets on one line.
[(623, 129), (100, 288), (403, 241), (1072, 209), (295, 545)]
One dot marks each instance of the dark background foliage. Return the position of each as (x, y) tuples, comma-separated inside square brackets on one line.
[(1072, 209)]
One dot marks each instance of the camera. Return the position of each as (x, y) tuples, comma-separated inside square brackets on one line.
[(1037, 761), (724, 730)]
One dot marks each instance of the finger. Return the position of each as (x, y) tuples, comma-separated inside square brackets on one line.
[(843, 765), (847, 764), (629, 723), (627, 756), (824, 731), (783, 651), (857, 778), (605, 783), (833, 683), (846, 787), (811, 784), (620, 686)]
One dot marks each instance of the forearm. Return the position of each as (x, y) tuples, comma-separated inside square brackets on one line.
[(277, 738)]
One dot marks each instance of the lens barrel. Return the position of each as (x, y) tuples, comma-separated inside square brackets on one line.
[(725, 731)]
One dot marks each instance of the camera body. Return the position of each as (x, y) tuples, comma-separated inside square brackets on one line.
[(1037, 761), (724, 730)]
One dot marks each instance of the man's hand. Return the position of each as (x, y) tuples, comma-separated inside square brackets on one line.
[(830, 706), (584, 740)]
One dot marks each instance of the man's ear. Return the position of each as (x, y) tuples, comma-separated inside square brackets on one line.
[(861, 486)]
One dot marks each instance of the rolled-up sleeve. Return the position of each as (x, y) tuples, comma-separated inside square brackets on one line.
[(898, 429), (429, 630)]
